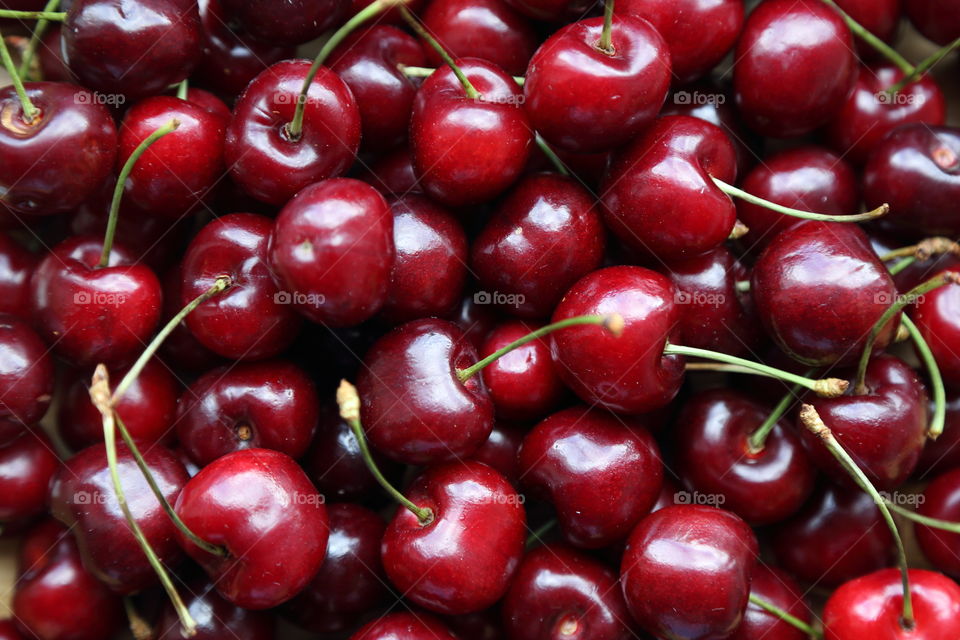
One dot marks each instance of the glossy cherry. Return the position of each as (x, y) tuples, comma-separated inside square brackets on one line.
[(181, 351), (16, 266), (880, 17), (215, 617), (935, 19), (27, 463), (26, 372), (943, 454), (778, 588), (288, 23), (941, 499), (501, 450), (404, 626), (937, 316)]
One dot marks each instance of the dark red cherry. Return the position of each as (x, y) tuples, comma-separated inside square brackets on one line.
[(941, 499), (215, 617), (94, 314), (16, 267), (937, 20), (132, 49), (658, 196), (819, 289), (686, 571), (476, 318), (553, 11), (82, 497), (332, 251), (288, 23), (879, 17), (562, 594), (779, 589), (626, 373), (836, 537), (501, 450), (252, 319), (570, 84), (794, 67), (50, 53), (602, 474), (181, 350), (275, 538), (698, 34), (404, 626), (414, 407), (473, 508), (350, 583), (263, 157), (943, 454), (270, 405), (8, 631), (937, 316), (544, 236), (56, 598), (27, 463), (392, 174), (26, 372), (469, 150), (57, 161)]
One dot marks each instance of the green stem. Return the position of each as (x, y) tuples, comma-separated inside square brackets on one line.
[(734, 192), (426, 72), (121, 182), (35, 38), (183, 89), (879, 45), (537, 534), (605, 45), (934, 523), (743, 286), (783, 615), (52, 16), (903, 264), (759, 437), (421, 31), (614, 323), (936, 380), (29, 111), (349, 403), (925, 249), (924, 66), (552, 156)]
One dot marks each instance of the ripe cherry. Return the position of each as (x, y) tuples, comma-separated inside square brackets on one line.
[(26, 372), (216, 618), (936, 316), (941, 500), (404, 626), (778, 588), (16, 266), (288, 23), (27, 463)]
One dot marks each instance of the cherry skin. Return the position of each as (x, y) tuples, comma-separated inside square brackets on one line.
[(53, 164), (869, 113), (8, 631), (714, 457), (94, 314), (271, 405), (351, 582), (475, 318), (250, 320), (404, 626), (26, 372), (561, 594), (275, 539), (686, 571), (430, 267), (264, 158), (699, 34), (414, 408), (288, 23), (819, 289), (941, 499), (544, 236), (795, 67), (943, 454), (467, 151), (937, 20), (27, 464), (778, 588), (56, 598), (181, 351), (871, 607), (132, 49), (879, 17), (16, 266), (332, 250), (215, 617), (836, 537), (392, 174), (626, 373), (82, 497), (659, 197), (601, 474), (501, 450), (936, 316), (572, 118), (474, 508)]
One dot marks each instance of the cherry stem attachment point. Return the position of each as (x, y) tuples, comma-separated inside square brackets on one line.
[(924, 66), (41, 27), (424, 35), (183, 89), (936, 380), (876, 43), (790, 619), (552, 156), (51, 16), (613, 323), (734, 192), (757, 439), (349, 403), (605, 44), (30, 112)]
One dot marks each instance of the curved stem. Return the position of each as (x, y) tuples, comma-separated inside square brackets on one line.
[(925, 249), (924, 66), (936, 380), (927, 521), (613, 323), (39, 29), (426, 72), (537, 534), (421, 31), (824, 387), (759, 437), (734, 192), (783, 615), (867, 36), (29, 111), (605, 45), (552, 156), (52, 16), (349, 403), (121, 182), (812, 421)]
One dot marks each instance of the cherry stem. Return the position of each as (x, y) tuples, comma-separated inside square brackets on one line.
[(719, 367), (421, 31), (924, 66), (349, 402), (758, 438), (35, 38), (138, 626), (183, 89), (295, 128), (734, 192), (743, 286), (605, 44), (29, 111), (537, 534), (613, 323), (790, 619), (936, 380), (867, 36), (947, 277), (426, 72), (812, 421), (52, 16), (824, 387), (739, 230), (552, 156), (924, 250), (900, 266), (121, 182), (934, 523)]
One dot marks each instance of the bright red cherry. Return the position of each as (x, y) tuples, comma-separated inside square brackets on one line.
[(777, 588), (26, 372), (287, 23), (937, 316), (404, 626), (216, 618), (27, 463), (941, 499)]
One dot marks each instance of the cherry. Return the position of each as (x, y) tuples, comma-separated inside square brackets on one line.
[(483, 625), (16, 266), (469, 146), (351, 582), (56, 598), (836, 537), (778, 588), (794, 67), (601, 474), (475, 318), (870, 607), (251, 320), (559, 593), (132, 49), (181, 350), (545, 235), (55, 158), (50, 53), (264, 157), (275, 537), (552, 11), (404, 626), (82, 497), (429, 270), (289, 23), (332, 249), (936, 316), (94, 314), (686, 571), (941, 455), (937, 20), (471, 507), (698, 34), (27, 463), (270, 405), (879, 17), (501, 450), (941, 500), (26, 372), (216, 618), (392, 174), (8, 631)]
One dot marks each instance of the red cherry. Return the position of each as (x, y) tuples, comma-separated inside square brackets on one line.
[(880, 17), (937, 316), (216, 618), (779, 589), (16, 267), (181, 350), (941, 455), (392, 174), (26, 372), (941, 499), (287, 23), (27, 463), (937, 20), (8, 631), (501, 450), (404, 626)]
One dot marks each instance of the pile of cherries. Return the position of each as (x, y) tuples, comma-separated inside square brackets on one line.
[(498, 319)]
